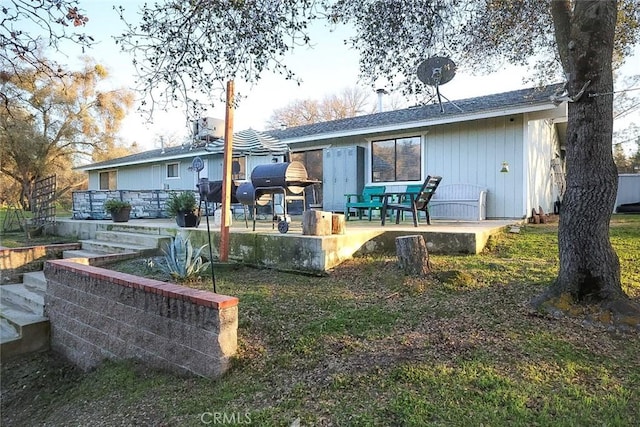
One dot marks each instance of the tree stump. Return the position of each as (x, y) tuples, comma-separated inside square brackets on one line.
[(413, 256), (337, 224), (316, 223)]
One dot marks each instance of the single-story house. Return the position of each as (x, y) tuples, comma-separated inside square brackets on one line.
[(510, 144)]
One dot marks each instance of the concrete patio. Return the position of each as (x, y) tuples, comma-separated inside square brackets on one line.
[(294, 251)]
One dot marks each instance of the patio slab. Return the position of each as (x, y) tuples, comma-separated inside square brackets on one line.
[(293, 251)]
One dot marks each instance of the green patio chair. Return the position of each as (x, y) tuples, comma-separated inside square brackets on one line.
[(369, 200), (417, 202)]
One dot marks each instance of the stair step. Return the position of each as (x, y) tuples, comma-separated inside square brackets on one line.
[(8, 331), (111, 247), (19, 296), (80, 253), (19, 316), (31, 331), (139, 239), (35, 282)]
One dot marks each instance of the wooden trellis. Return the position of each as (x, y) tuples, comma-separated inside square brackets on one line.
[(43, 205)]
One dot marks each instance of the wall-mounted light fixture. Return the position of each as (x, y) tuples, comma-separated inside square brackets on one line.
[(505, 167)]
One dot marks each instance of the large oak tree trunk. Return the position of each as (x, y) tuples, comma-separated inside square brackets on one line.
[(589, 267)]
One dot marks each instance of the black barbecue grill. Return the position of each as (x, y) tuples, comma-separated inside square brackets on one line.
[(289, 179), (211, 191)]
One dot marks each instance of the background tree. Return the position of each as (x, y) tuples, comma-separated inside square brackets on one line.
[(47, 124), (350, 102), (193, 46)]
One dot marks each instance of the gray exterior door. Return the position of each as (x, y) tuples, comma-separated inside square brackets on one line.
[(343, 173)]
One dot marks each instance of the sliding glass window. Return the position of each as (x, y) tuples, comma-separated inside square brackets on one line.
[(397, 159)]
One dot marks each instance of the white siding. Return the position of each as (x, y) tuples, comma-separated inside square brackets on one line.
[(473, 152), (541, 149), (628, 189), (153, 176)]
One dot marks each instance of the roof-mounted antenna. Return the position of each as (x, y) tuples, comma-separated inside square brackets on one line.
[(436, 71)]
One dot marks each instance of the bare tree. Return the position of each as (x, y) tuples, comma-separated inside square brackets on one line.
[(28, 26), (350, 102), (193, 46)]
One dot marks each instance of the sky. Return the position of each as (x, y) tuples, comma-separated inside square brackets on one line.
[(325, 69)]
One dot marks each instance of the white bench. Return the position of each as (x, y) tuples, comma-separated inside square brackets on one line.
[(459, 202)]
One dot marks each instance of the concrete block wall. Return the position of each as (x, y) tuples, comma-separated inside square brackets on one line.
[(89, 204), (99, 314)]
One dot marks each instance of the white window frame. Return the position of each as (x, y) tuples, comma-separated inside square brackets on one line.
[(167, 170)]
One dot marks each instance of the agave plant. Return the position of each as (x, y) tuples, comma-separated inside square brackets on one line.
[(182, 261)]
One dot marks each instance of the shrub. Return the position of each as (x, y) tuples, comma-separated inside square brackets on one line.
[(114, 205), (181, 202), (181, 261)]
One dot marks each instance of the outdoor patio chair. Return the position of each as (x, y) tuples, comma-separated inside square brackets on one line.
[(369, 200), (416, 201)]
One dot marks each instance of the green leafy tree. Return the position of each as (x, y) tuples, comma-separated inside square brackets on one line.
[(623, 163), (48, 123), (182, 47)]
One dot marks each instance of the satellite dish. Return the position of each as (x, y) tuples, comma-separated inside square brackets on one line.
[(436, 71), (197, 164)]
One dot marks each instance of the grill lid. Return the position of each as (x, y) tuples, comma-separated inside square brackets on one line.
[(292, 176)]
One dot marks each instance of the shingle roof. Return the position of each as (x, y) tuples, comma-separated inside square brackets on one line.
[(423, 114), (500, 101), (155, 154)]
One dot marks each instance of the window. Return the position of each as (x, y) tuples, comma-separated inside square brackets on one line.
[(396, 160), (173, 170), (239, 168), (312, 161), (108, 180)]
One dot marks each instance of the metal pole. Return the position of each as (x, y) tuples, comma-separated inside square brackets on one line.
[(226, 175)]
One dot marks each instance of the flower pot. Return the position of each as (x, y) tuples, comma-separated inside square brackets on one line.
[(187, 219), (121, 215)]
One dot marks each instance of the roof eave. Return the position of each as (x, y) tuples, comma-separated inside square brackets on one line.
[(161, 158), (486, 114)]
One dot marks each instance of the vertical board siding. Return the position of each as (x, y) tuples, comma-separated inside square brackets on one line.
[(473, 152), (539, 183)]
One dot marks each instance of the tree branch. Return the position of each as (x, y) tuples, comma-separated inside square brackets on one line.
[(561, 14)]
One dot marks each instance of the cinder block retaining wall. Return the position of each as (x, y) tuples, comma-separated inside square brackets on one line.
[(99, 314)]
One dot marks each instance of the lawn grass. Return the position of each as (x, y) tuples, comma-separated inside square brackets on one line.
[(12, 235), (367, 346)]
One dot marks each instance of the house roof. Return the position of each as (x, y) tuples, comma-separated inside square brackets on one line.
[(245, 142), (249, 141), (519, 101), (501, 104)]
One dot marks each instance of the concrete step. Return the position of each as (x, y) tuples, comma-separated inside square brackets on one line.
[(80, 253), (31, 331), (139, 239), (132, 227), (20, 297), (8, 331), (35, 282), (112, 247)]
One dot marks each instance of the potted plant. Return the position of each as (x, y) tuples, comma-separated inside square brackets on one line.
[(184, 208), (118, 209)]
